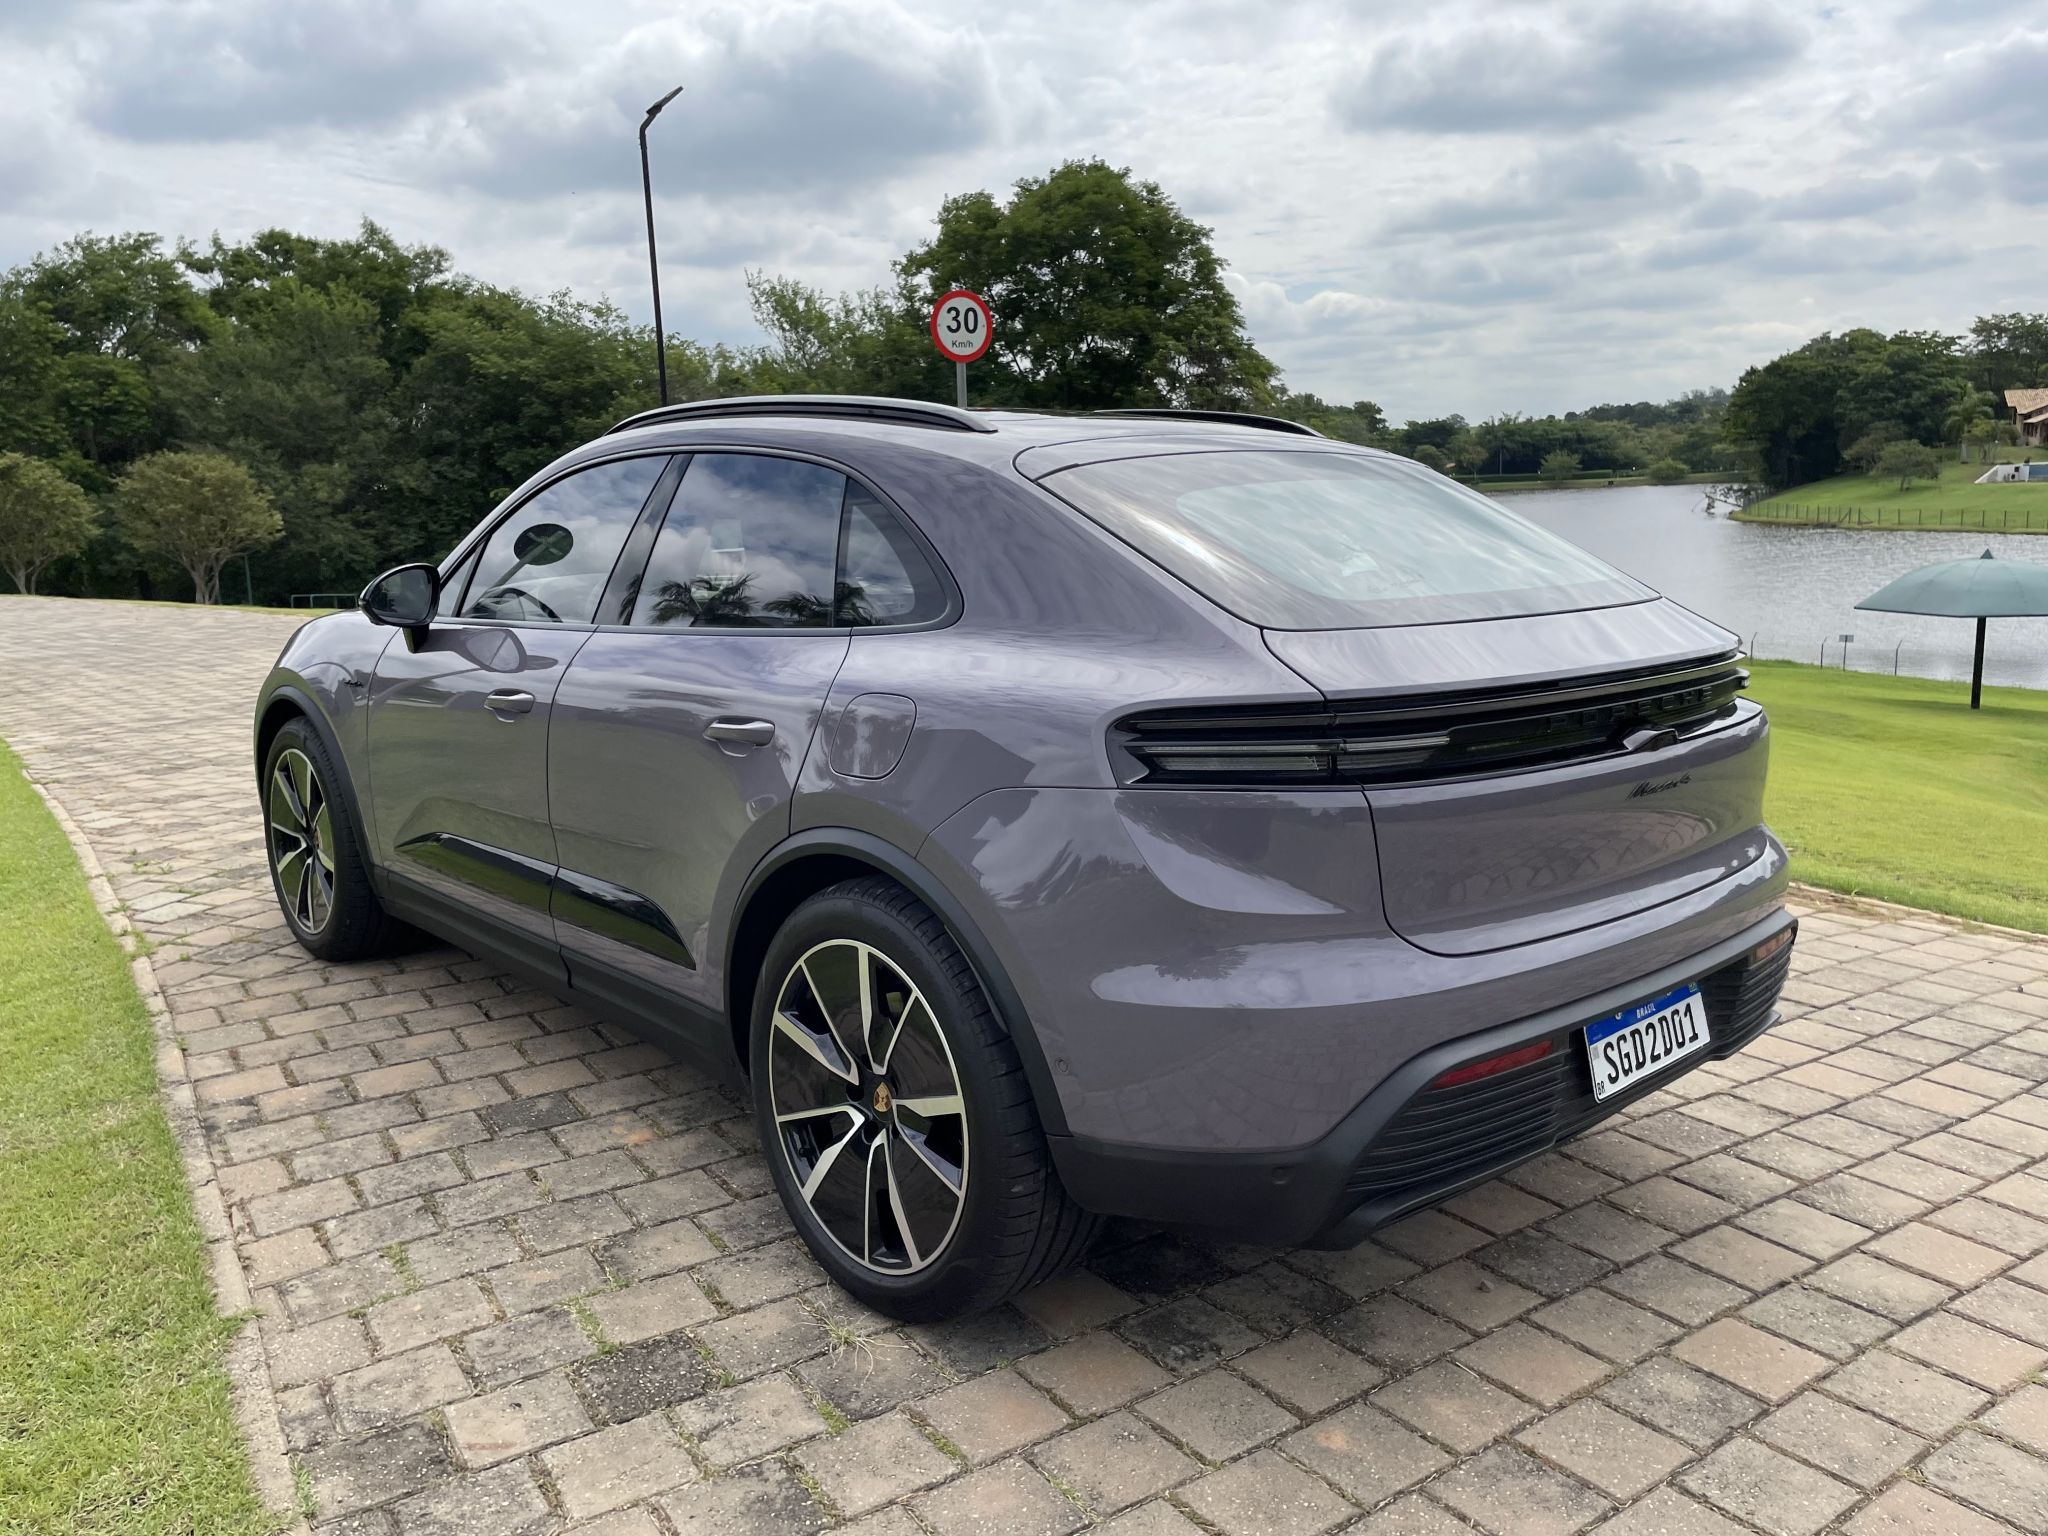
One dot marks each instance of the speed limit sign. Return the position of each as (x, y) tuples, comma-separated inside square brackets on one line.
[(960, 325)]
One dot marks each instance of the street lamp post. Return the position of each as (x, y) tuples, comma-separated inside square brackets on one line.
[(653, 268)]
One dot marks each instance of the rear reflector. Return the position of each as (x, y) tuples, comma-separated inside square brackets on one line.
[(1493, 1066)]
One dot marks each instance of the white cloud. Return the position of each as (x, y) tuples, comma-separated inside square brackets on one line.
[(1472, 206)]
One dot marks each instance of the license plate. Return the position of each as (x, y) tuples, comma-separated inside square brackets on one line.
[(1641, 1041)]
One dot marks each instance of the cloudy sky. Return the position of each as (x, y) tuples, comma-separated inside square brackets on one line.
[(1468, 207)]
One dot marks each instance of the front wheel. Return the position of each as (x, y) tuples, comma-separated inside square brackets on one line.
[(316, 864), (895, 1114)]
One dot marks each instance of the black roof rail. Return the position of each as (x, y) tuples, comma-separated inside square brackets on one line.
[(910, 413), (1222, 418)]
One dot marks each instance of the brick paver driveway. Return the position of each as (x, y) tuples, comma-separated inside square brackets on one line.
[(517, 1271)]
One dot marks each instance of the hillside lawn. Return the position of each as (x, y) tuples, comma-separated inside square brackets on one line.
[(114, 1408), (1893, 787), (1874, 501)]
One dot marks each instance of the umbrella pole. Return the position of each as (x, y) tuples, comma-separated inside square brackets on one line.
[(1977, 670)]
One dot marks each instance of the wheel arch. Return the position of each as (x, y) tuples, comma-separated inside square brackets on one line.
[(287, 703), (821, 857)]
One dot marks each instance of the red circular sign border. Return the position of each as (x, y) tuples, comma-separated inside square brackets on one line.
[(988, 323)]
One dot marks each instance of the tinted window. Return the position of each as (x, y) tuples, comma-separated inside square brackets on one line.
[(1315, 540), (884, 577), (549, 560), (749, 542)]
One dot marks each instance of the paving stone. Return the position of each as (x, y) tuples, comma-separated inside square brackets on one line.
[(1818, 1321), (1597, 1445), (1667, 1512), (1907, 1509), (655, 1251), (1971, 1351), (375, 1468), (1217, 1415), (503, 1501), (872, 1375), (873, 1463), (1768, 1489), (1450, 1404), (765, 1339), (616, 1466), (651, 1308), (1188, 1335), (1365, 1452), (992, 1416), (2023, 1417), (761, 1500), (970, 1345), (1998, 1478), (1534, 1364), (1615, 1329), (1276, 1300), (1690, 1405), (1309, 1373), (465, 1251), (1265, 1495), (515, 1420), (1941, 1255), (1679, 1291), (1906, 1392), (314, 1353), (1094, 1373), (1469, 1295), (438, 1312), (1009, 1499), (1852, 1444), (634, 1381), (399, 1387), (1543, 1263), (1509, 1492), (1770, 1367), (1075, 1302), (756, 1419), (526, 1345), (1394, 1333), (1114, 1463)]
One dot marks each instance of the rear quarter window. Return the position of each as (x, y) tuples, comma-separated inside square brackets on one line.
[(1313, 539)]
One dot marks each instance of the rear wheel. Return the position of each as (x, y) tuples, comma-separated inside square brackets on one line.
[(895, 1114), (316, 866)]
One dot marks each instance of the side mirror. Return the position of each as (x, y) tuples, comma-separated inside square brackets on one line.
[(404, 598)]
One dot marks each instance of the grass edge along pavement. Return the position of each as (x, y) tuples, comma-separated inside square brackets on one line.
[(1889, 787), (116, 1413)]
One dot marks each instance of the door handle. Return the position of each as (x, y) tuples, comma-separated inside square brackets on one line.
[(508, 701), (751, 733)]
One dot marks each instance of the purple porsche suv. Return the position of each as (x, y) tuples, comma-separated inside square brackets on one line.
[(1164, 814)]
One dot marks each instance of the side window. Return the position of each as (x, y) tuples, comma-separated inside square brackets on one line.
[(884, 577), (549, 560), (749, 542), (455, 586)]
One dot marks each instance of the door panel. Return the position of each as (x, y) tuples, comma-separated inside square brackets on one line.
[(458, 745), (651, 805)]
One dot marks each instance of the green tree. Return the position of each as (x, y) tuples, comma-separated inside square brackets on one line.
[(1559, 465), (1863, 454), (1971, 406), (43, 517), (1668, 472), (1433, 457), (197, 511), (1907, 462), (1104, 293)]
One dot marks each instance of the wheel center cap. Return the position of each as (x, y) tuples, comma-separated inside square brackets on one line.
[(882, 1099)]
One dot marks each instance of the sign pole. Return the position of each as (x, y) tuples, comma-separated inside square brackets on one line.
[(960, 383)]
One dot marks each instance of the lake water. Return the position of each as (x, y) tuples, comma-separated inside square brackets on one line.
[(1790, 591)]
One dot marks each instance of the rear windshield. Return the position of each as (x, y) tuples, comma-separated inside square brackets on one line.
[(1316, 540)]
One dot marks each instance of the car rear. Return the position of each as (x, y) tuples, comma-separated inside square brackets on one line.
[(1560, 786)]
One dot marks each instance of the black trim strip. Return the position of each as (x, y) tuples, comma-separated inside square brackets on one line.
[(614, 912), (500, 871)]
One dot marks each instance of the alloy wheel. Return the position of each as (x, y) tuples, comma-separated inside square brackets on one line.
[(302, 840), (868, 1107)]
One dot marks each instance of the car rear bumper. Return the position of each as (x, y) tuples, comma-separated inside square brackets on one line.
[(1408, 1146)]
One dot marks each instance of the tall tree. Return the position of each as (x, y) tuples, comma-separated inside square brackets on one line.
[(196, 510), (1104, 292), (43, 517)]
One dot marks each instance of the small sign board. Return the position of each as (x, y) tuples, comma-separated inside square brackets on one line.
[(961, 323)]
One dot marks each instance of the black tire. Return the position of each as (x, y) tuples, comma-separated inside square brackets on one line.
[(1016, 1225), (343, 920)]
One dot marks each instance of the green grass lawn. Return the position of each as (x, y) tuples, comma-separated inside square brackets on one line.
[(1872, 501), (1894, 788), (114, 1408)]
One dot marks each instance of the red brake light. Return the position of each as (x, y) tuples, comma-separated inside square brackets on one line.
[(1493, 1066)]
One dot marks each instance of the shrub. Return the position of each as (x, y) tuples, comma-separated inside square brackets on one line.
[(1907, 462), (1559, 465), (1668, 472)]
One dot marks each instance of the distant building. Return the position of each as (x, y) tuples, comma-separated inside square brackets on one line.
[(2030, 411)]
